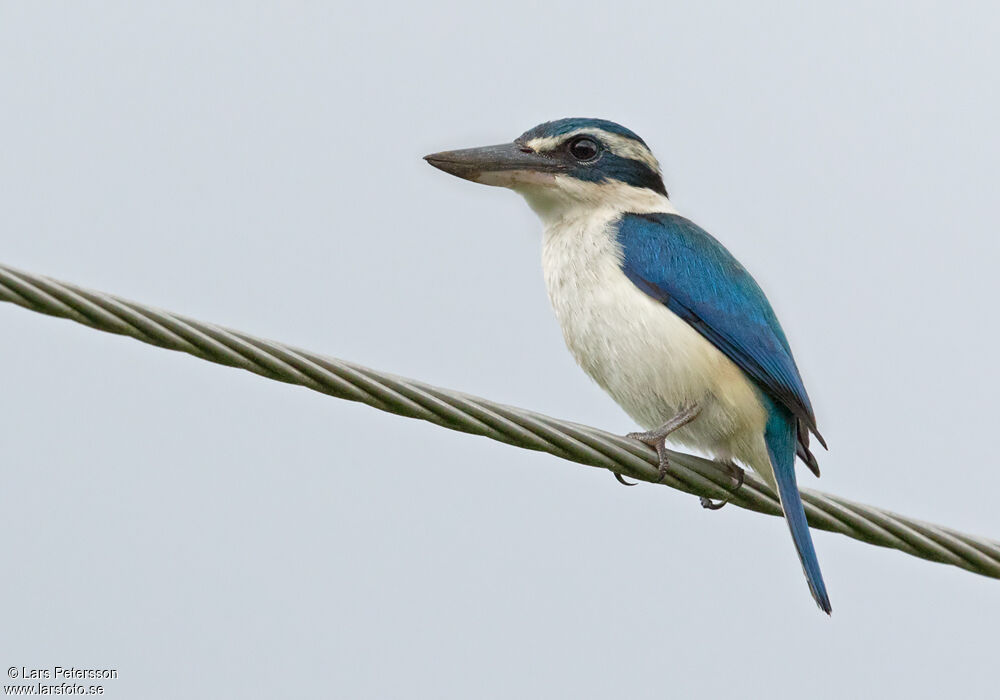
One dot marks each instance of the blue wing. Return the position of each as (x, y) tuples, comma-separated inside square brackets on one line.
[(678, 263)]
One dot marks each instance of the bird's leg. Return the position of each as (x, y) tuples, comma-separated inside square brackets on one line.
[(658, 438), (715, 505)]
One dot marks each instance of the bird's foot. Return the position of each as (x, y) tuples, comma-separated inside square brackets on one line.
[(657, 439), (715, 505), (660, 445)]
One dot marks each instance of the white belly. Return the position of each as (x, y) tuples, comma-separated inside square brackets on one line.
[(646, 357)]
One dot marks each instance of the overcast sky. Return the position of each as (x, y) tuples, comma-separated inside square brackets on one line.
[(210, 533)]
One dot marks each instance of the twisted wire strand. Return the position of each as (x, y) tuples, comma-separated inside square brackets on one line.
[(514, 426)]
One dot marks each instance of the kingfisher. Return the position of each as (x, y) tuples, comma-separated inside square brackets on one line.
[(657, 311)]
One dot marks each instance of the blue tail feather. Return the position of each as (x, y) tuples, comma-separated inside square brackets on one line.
[(780, 436)]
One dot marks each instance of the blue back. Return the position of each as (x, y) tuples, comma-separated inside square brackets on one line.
[(678, 263)]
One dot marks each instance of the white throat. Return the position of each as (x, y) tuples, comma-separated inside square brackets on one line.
[(568, 199)]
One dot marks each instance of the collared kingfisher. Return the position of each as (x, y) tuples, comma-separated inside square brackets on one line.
[(655, 309)]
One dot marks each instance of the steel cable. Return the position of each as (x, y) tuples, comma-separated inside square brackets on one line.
[(514, 426)]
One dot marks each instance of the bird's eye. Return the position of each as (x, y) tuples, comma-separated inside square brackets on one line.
[(584, 149)]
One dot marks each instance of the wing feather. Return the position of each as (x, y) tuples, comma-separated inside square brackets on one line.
[(678, 263)]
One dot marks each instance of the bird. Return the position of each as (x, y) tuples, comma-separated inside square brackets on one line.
[(655, 310)]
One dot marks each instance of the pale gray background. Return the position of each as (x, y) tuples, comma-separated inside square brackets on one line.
[(213, 534)]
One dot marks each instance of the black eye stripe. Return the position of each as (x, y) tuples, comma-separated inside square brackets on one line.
[(607, 164)]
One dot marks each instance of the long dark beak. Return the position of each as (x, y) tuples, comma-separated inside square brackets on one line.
[(506, 165)]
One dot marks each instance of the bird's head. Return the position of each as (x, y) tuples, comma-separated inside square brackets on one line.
[(567, 166)]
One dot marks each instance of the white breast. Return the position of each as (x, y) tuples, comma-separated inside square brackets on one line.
[(647, 358)]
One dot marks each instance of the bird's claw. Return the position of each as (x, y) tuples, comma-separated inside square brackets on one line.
[(621, 480), (709, 504)]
